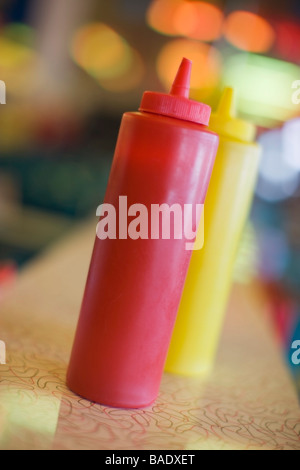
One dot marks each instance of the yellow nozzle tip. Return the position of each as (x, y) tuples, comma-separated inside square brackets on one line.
[(225, 122), (227, 103)]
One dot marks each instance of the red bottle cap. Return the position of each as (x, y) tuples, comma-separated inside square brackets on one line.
[(177, 104)]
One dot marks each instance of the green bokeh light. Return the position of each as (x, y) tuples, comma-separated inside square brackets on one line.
[(263, 86)]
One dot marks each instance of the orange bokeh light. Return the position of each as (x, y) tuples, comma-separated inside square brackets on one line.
[(249, 32), (198, 20), (161, 14), (206, 60)]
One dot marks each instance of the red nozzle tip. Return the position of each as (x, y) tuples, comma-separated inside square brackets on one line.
[(181, 84), (177, 104)]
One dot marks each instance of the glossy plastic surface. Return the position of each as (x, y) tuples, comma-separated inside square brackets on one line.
[(177, 103), (134, 286), (203, 304)]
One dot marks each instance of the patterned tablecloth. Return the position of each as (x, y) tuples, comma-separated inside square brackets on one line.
[(248, 402)]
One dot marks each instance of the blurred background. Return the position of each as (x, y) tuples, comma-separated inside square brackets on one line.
[(71, 68)]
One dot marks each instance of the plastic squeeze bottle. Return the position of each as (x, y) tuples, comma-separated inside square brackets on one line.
[(164, 155), (203, 304)]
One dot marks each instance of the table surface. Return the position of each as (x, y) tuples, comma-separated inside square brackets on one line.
[(248, 402)]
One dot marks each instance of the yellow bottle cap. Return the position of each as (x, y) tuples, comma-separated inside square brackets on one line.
[(225, 123)]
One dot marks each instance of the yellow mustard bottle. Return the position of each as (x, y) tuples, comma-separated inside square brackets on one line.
[(200, 317)]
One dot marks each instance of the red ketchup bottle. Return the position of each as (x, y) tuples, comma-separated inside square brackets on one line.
[(164, 155)]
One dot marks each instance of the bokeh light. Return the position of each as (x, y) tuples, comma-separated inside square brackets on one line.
[(277, 179), (206, 64), (291, 143), (288, 39), (101, 51), (13, 54), (19, 33), (107, 56), (17, 60), (161, 16), (248, 31), (263, 87), (198, 20), (193, 19)]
